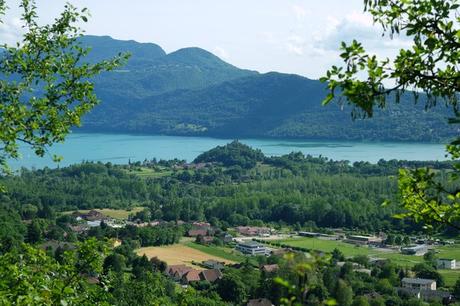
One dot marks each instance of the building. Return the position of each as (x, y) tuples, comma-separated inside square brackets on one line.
[(252, 248), (213, 264), (211, 275), (177, 271), (309, 234), (444, 263), (226, 238), (428, 295), (418, 283), (418, 250), (197, 232), (364, 240), (260, 302), (191, 276), (253, 231), (270, 268)]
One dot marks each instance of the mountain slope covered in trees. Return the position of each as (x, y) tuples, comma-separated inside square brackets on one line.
[(193, 92)]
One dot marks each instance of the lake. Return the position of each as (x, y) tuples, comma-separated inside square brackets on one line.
[(120, 148)]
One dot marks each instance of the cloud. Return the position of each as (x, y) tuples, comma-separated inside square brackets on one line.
[(357, 26), (299, 11), (295, 44), (11, 31), (222, 53)]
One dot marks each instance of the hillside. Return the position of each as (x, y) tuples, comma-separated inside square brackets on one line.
[(193, 92)]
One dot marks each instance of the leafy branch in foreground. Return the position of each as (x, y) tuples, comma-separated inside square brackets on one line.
[(45, 85), (431, 66)]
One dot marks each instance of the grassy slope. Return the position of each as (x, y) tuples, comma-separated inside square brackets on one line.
[(450, 276)]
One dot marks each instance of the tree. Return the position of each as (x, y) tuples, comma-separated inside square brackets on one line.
[(361, 301), (30, 277), (456, 289), (344, 293), (423, 270), (429, 66), (45, 82), (231, 288)]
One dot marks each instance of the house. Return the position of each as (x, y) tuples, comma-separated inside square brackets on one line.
[(252, 248), (226, 238), (280, 252), (211, 275), (418, 283), (427, 295), (197, 232), (418, 250), (201, 224), (177, 271), (79, 229), (191, 276), (363, 240), (363, 270), (253, 231), (92, 215), (205, 239), (260, 302), (445, 263), (213, 264), (270, 268)]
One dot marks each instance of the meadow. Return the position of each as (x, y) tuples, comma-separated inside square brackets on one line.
[(180, 254)]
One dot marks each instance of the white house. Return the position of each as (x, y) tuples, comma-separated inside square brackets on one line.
[(445, 263), (251, 248), (418, 283)]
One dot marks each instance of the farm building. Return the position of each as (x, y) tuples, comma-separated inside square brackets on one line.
[(253, 231), (363, 240), (445, 263), (418, 250)]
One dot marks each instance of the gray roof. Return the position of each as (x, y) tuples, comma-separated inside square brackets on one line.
[(250, 244), (420, 281)]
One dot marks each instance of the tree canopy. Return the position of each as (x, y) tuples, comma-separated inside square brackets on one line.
[(429, 67), (44, 82)]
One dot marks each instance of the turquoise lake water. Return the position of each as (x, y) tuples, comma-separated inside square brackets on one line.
[(120, 148)]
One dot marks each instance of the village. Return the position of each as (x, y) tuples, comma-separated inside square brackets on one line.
[(203, 240)]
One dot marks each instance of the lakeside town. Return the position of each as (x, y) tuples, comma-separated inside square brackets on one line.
[(254, 241)]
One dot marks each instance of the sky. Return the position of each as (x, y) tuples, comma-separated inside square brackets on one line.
[(298, 36)]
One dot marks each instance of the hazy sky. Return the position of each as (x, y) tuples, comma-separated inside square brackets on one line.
[(266, 35)]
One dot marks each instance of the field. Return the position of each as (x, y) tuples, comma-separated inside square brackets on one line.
[(221, 252), (149, 172), (179, 254), (121, 214), (350, 250)]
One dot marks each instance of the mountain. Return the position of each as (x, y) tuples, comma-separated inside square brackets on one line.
[(193, 92)]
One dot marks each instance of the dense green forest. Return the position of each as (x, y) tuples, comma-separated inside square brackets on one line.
[(236, 185), (227, 186), (193, 92)]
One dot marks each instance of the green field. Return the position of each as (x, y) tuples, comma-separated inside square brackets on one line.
[(149, 172), (350, 250), (121, 214), (225, 253), (328, 246)]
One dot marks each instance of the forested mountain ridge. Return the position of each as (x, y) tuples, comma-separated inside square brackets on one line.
[(193, 92)]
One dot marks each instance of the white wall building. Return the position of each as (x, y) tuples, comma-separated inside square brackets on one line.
[(251, 248), (444, 263), (418, 283)]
